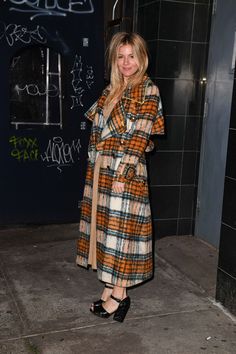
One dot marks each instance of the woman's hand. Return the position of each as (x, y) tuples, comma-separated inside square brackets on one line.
[(118, 187)]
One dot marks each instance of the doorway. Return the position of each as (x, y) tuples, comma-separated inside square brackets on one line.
[(216, 122)]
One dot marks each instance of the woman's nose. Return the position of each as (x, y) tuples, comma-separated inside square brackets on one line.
[(126, 60)]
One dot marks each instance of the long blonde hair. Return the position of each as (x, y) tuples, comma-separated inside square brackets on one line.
[(140, 50)]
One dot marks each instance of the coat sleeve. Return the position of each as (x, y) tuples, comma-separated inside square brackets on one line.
[(150, 121), (158, 123), (90, 114)]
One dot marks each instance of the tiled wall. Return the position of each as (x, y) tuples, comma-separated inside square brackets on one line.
[(177, 35), (226, 279)]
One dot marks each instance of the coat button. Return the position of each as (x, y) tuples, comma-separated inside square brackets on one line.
[(122, 141), (132, 119)]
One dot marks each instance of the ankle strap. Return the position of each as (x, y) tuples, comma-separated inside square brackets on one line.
[(116, 299), (108, 286)]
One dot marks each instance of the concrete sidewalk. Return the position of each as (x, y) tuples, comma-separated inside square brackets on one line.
[(45, 300)]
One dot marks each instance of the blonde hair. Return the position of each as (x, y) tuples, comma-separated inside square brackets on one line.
[(140, 50)]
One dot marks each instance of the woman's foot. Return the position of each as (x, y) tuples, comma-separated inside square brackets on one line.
[(111, 305), (107, 291), (119, 312)]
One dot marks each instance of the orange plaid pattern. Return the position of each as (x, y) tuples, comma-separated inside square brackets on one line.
[(124, 226)]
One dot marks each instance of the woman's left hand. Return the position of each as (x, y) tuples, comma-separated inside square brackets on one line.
[(118, 187)]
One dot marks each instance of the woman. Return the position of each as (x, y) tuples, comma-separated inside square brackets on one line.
[(115, 228)]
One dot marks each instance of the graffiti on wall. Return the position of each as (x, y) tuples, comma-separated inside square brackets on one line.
[(24, 148), (14, 33), (57, 154), (52, 7), (60, 154), (37, 90), (82, 80)]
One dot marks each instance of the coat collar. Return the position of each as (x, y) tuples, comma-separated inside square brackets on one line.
[(137, 93), (128, 105)]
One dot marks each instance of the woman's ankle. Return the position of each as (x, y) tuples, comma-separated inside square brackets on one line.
[(119, 292), (106, 293)]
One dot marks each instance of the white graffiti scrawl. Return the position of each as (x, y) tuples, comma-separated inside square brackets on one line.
[(60, 154), (82, 80), (52, 7), (14, 33), (76, 82)]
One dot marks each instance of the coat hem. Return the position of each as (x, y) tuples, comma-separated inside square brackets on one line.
[(81, 261)]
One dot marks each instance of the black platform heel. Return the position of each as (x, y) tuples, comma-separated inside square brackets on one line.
[(100, 301), (122, 310), (119, 313)]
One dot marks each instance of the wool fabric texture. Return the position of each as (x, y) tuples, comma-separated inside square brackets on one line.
[(123, 220)]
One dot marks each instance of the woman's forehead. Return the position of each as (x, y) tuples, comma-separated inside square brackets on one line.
[(125, 48)]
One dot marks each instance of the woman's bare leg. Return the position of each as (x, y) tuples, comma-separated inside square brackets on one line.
[(107, 291), (111, 305)]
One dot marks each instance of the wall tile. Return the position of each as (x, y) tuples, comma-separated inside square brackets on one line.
[(177, 66), (153, 54), (175, 95), (184, 227), (191, 1), (195, 202), (226, 291), (231, 155), (229, 210), (128, 8), (148, 20), (162, 228), (203, 1), (196, 98), (233, 108), (186, 201), (200, 132), (200, 29), (173, 60), (188, 169), (174, 126), (227, 254), (144, 2), (172, 25), (164, 202), (197, 168), (165, 168), (191, 133), (198, 63)]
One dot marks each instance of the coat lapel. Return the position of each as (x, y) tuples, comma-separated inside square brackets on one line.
[(127, 107)]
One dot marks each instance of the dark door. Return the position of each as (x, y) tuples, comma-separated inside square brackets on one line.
[(216, 122), (51, 71)]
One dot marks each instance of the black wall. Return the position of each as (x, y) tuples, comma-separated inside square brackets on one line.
[(177, 36), (38, 185), (226, 276)]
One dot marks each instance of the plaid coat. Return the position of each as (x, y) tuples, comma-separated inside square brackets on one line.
[(123, 223)]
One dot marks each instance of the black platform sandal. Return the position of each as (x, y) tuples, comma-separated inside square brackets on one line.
[(100, 301), (119, 313)]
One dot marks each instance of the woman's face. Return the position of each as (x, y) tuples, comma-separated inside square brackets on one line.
[(127, 61)]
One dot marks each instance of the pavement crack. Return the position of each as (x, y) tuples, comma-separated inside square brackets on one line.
[(12, 296), (107, 323)]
